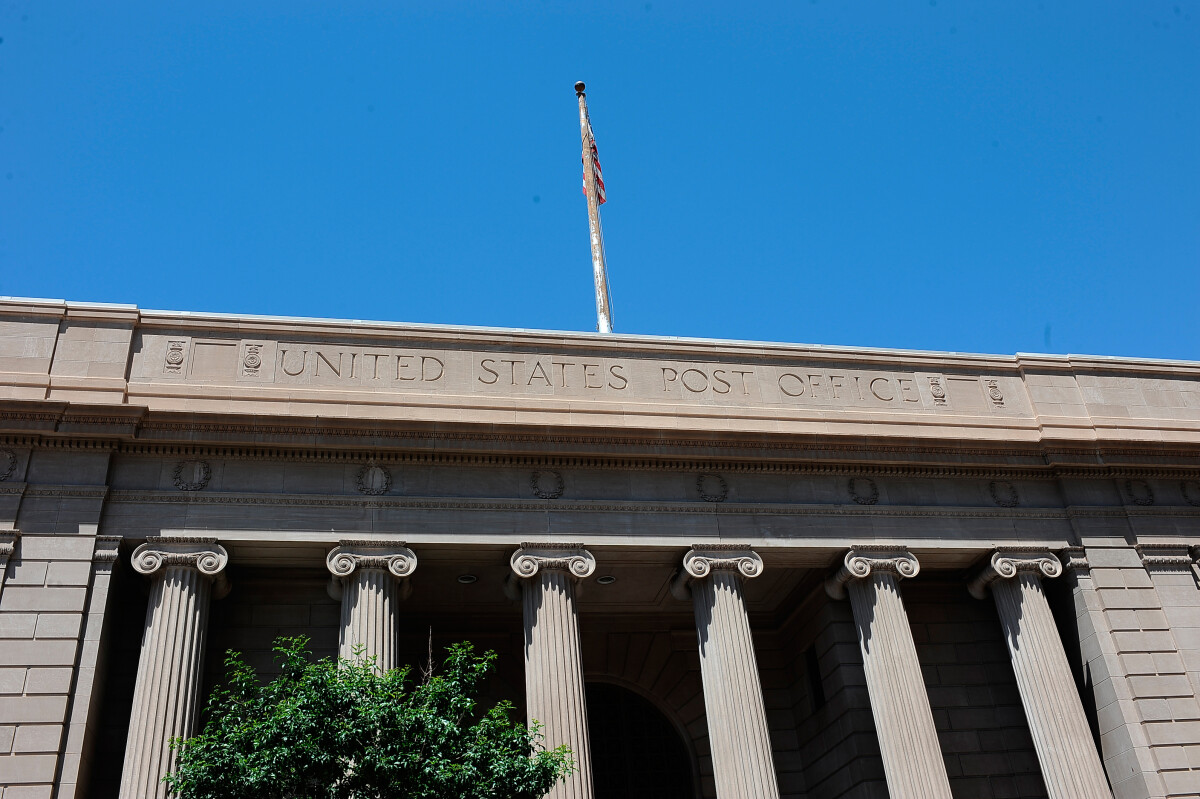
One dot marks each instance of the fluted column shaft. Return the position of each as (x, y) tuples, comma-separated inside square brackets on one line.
[(167, 691), (912, 755), (733, 700), (554, 688), (1070, 764), (370, 579)]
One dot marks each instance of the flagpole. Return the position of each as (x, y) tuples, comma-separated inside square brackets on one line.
[(599, 267)]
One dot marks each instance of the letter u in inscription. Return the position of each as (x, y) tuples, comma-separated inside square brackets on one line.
[(283, 362)]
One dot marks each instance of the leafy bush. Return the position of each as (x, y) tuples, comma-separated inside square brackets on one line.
[(342, 729)]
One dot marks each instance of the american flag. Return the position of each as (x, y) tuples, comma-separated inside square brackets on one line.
[(599, 175)]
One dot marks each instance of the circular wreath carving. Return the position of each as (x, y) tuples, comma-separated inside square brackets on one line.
[(1140, 492), (539, 489), (868, 497), (175, 357), (712, 487), (253, 360), (1004, 493), (192, 475), (373, 480), (8, 464), (1191, 492)]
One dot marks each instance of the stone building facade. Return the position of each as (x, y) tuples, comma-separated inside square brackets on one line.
[(714, 569)]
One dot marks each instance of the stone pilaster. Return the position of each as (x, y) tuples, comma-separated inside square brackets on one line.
[(733, 699), (370, 578), (82, 724), (187, 573), (1070, 764), (554, 693), (912, 755)]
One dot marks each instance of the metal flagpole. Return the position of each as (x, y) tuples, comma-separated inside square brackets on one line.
[(599, 268)]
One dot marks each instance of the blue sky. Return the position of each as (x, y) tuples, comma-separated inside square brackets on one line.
[(933, 174)]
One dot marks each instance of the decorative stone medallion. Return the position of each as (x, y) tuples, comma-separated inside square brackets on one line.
[(1191, 492), (712, 487), (175, 356), (937, 390), (251, 359), (994, 393), (192, 475), (863, 490), (1004, 493), (373, 480), (1139, 492), (547, 485), (8, 464)]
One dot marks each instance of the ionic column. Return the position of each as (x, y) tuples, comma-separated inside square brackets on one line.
[(912, 755), (1070, 764), (370, 579), (733, 699), (187, 573), (554, 694)]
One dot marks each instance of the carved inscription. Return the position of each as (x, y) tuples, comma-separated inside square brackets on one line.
[(650, 378)]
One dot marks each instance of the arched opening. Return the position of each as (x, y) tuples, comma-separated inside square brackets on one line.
[(636, 752)]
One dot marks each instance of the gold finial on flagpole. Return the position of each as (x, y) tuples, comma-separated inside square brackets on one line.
[(591, 189)]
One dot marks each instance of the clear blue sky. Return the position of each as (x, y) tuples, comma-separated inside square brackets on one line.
[(935, 174)]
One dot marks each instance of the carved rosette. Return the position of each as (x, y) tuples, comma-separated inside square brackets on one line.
[(861, 562), (204, 555), (393, 557), (703, 559), (571, 558), (1007, 564)]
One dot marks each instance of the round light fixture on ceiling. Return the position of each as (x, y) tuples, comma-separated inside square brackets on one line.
[(467, 579), (606, 579)]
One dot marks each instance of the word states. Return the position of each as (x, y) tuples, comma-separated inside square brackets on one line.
[(551, 373)]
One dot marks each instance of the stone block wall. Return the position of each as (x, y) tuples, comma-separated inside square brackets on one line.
[(976, 705)]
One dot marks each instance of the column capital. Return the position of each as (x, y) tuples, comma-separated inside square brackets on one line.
[(571, 558), (861, 561), (1074, 559), (350, 555), (1007, 562), (702, 559), (204, 555), (107, 549)]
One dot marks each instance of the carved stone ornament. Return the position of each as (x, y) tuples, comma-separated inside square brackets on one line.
[(863, 490), (994, 393), (1139, 492), (394, 556), (192, 475), (8, 545), (176, 355), (251, 359), (703, 559), (547, 485), (204, 555), (348, 556), (937, 390), (107, 547), (373, 480), (571, 558), (1004, 493), (1074, 559), (1165, 557), (8, 464), (1006, 564), (1190, 489), (712, 487), (862, 561)]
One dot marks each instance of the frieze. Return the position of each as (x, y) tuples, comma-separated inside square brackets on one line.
[(631, 506), (769, 382)]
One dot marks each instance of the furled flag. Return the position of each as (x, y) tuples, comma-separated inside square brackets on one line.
[(599, 175)]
